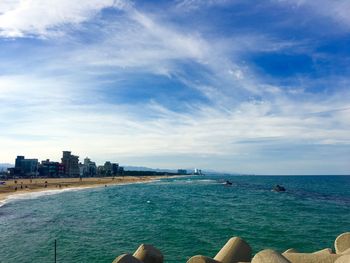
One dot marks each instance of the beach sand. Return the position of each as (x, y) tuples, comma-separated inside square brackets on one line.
[(44, 184)]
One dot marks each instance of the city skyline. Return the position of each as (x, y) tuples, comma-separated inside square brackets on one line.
[(69, 166), (83, 161), (232, 86)]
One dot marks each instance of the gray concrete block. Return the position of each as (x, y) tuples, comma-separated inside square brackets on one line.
[(342, 242), (201, 259), (270, 256), (126, 258), (148, 254), (235, 250), (311, 257)]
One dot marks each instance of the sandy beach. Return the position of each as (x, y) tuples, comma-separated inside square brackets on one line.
[(22, 186)]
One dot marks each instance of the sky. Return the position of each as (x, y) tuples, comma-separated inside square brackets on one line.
[(242, 86)]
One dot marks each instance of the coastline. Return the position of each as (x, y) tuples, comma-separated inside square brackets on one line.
[(26, 187)]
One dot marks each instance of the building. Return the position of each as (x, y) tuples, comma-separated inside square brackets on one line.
[(182, 171), (101, 171), (51, 169), (115, 169), (197, 172), (25, 167), (18, 162), (108, 168), (89, 168), (71, 164)]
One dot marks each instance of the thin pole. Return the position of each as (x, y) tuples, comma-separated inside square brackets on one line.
[(55, 250)]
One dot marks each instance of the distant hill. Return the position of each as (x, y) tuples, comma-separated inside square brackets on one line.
[(189, 170), (142, 168)]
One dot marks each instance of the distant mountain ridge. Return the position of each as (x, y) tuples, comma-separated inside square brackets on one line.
[(142, 168), (189, 170)]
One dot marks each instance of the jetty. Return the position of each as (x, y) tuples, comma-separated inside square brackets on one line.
[(236, 250)]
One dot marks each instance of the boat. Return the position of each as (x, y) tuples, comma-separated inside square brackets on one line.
[(228, 182), (279, 188)]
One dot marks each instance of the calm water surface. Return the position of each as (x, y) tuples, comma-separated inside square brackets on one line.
[(180, 216)]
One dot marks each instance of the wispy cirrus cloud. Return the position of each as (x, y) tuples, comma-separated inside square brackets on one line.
[(20, 18), (190, 5), (338, 10), (103, 130)]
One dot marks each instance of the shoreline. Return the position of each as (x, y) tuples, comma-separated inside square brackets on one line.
[(27, 187)]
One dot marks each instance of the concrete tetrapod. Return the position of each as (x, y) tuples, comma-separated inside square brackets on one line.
[(346, 252), (126, 258), (343, 259), (324, 251), (235, 250), (342, 242), (201, 259), (148, 254), (311, 257), (270, 256), (291, 250)]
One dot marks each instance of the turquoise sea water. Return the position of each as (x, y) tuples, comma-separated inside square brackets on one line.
[(180, 216)]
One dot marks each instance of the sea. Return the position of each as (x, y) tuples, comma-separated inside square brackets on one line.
[(182, 217)]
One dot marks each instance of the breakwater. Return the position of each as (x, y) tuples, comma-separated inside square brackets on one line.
[(236, 250)]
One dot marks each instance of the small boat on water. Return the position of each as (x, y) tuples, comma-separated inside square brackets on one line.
[(279, 188), (228, 182)]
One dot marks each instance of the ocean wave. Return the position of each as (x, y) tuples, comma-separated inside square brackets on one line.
[(208, 180), (34, 195), (2, 202)]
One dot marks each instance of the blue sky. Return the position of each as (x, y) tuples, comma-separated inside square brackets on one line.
[(240, 86)]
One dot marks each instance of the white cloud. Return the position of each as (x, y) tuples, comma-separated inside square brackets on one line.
[(337, 10), (141, 42), (42, 18), (190, 5), (137, 41), (109, 130)]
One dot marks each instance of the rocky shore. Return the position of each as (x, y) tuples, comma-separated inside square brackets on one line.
[(236, 250)]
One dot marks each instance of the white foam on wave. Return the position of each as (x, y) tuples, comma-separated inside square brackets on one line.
[(140, 182), (201, 181), (207, 180), (3, 202), (33, 195)]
